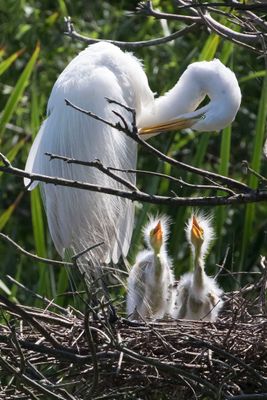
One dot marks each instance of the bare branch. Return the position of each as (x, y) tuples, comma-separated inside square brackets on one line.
[(127, 45), (34, 256), (95, 164), (233, 184)]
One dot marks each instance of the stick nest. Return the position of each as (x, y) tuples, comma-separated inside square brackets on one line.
[(57, 353)]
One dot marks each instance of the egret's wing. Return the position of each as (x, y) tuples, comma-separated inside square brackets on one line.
[(78, 219)]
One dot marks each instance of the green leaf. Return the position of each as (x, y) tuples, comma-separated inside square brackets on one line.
[(254, 75), (255, 164), (18, 91), (11, 155), (4, 65), (4, 288), (5, 216)]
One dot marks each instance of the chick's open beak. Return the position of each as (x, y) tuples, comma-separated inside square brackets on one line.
[(197, 231), (172, 125), (157, 233)]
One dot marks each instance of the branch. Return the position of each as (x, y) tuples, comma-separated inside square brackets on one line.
[(33, 256), (127, 45), (133, 134), (179, 181), (240, 198), (95, 164)]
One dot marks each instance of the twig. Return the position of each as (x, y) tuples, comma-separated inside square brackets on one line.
[(88, 249), (127, 45), (178, 164), (179, 181), (34, 256), (95, 164)]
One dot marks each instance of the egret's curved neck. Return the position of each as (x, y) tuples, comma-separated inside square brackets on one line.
[(184, 97)]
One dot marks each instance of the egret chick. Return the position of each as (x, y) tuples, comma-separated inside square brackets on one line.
[(151, 278), (198, 296)]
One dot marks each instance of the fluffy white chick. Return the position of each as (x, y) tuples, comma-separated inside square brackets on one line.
[(150, 293), (198, 296)]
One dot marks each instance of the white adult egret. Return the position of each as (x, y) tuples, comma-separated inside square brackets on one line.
[(78, 219), (198, 296), (151, 280)]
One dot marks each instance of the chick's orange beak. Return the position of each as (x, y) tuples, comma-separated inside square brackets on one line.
[(157, 233), (197, 231)]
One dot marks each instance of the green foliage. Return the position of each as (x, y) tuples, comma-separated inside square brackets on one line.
[(26, 79)]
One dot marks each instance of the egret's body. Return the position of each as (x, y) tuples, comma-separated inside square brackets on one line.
[(150, 282), (78, 219), (198, 296)]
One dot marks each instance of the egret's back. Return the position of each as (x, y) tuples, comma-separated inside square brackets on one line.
[(78, 219)]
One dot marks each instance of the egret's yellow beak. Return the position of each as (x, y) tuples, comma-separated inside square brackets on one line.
[(197, 231), (172, 125)]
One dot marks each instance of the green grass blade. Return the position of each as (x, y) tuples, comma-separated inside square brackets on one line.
[(225, 151), (6, 215), (209, 49), (11, 155), (4, 65), (254, 75), (38, 224), (255, 164), (18, 91)]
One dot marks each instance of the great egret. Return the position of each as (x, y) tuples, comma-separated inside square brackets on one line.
[(150, 282), (198, 296), (78, 219)]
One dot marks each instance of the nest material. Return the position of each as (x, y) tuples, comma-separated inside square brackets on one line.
[(68, 355)]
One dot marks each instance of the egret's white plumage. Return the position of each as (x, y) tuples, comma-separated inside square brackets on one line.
[(198, 296), (150, 282), (78, 219)]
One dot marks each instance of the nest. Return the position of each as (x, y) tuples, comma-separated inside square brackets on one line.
[(57, 353)]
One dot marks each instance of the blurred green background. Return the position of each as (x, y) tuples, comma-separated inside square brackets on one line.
[(34, 50)]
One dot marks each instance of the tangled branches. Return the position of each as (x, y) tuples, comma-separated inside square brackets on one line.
[(63, 354)]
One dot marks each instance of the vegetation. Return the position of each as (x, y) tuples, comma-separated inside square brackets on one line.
[(34, 50)]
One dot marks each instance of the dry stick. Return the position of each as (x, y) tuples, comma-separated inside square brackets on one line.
[(218, 350), (91, 345), (145, 43), (242, 39), (145, 8), (227, 33), (30, 382), (260, 396), (134, 135), (66, 355), (173, 179), (33, 256), (172, 370), (38, 296), (32, 321), (250, 196), (95, 164)]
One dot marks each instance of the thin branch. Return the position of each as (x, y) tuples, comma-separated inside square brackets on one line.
[(240, 198), (34, 256), (95, 164), (127, 45), (146, 8), (179, 181), (253, 172), (81, 253), (178, 164)]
